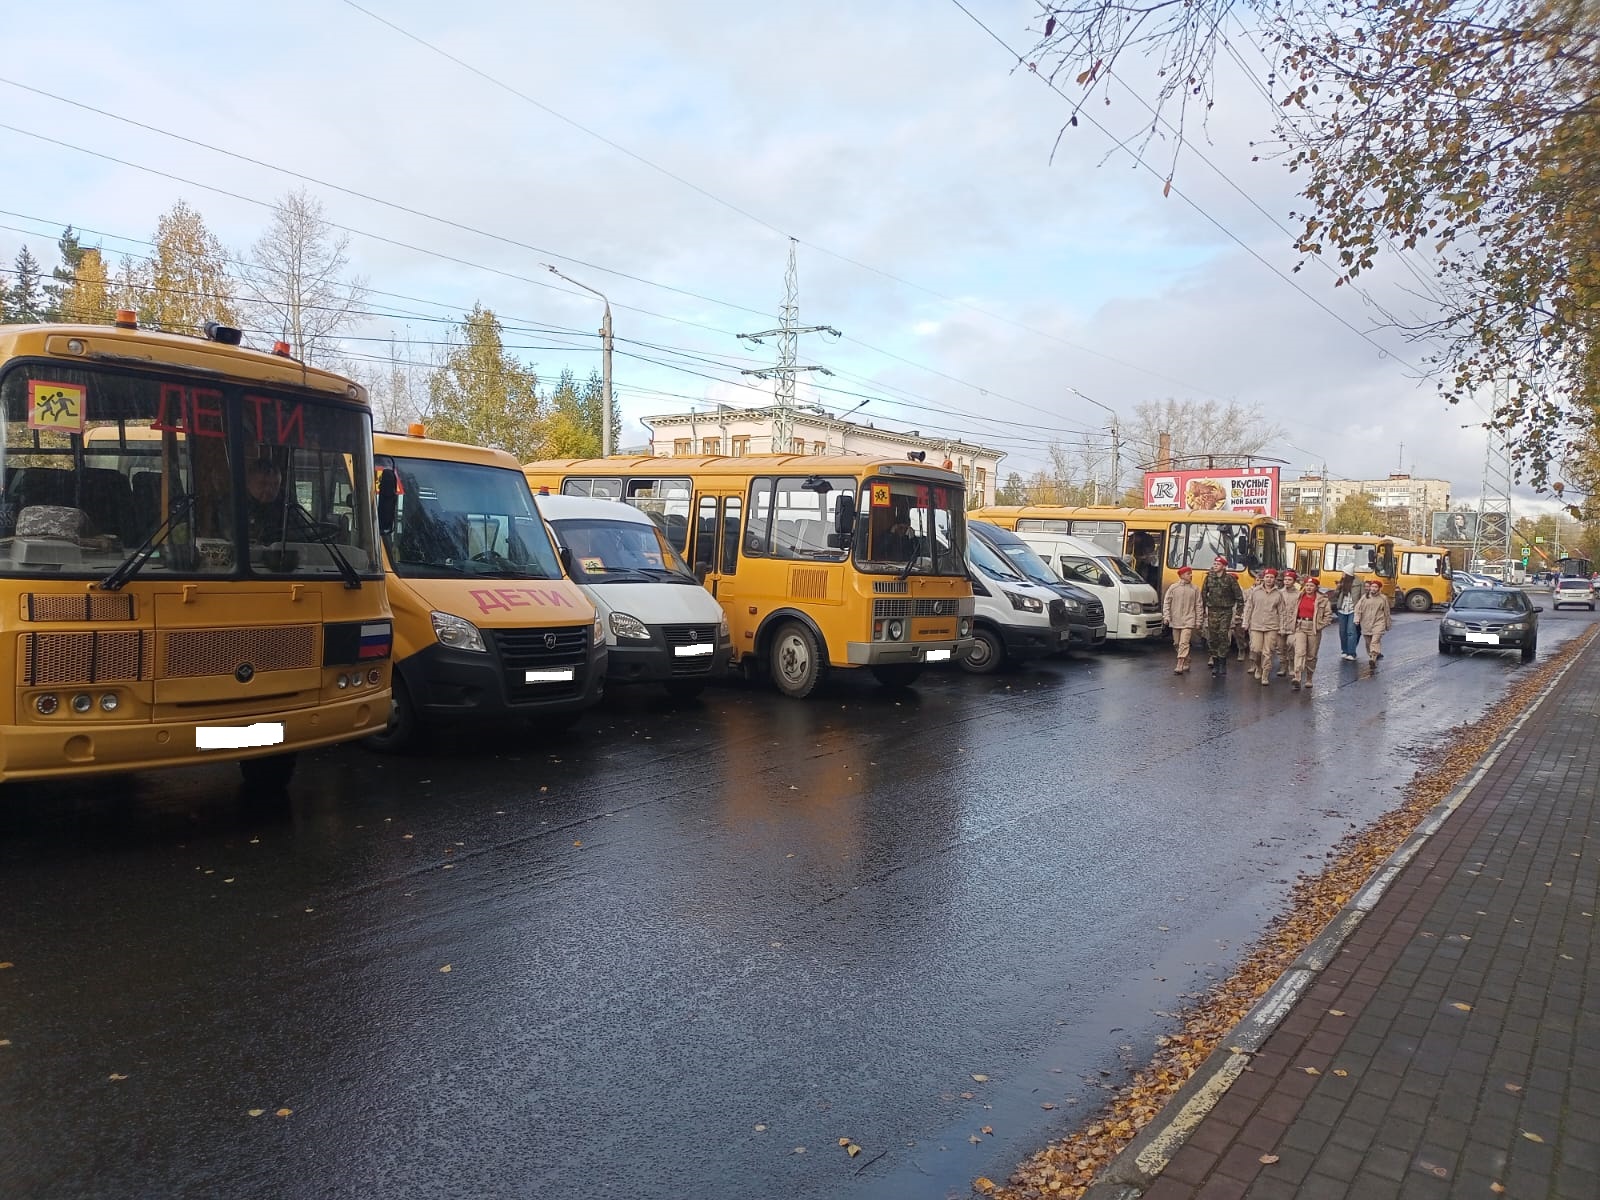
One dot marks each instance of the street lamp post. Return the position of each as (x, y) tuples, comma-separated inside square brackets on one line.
[(1116, 443), (605, 359)]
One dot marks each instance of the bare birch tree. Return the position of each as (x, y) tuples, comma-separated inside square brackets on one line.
[(297, 279)]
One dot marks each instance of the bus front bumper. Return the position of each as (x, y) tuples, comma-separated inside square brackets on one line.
[(60, 749), (879, 654)]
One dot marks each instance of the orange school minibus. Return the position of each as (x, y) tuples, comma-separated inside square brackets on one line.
[(189, 564), (820, 562), (486, 622)]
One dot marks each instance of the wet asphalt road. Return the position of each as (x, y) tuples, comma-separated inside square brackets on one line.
[(681, 944)]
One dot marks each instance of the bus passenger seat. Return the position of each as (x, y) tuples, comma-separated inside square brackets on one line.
[(108, 500)]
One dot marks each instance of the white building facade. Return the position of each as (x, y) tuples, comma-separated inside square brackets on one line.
[(742, 431)]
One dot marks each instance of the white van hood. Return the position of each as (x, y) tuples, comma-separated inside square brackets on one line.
[(656, 603)]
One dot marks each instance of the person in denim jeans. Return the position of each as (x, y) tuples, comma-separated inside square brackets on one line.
[(1344, 599)]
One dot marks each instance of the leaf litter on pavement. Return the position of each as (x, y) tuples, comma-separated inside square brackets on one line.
[(1065, 1168)]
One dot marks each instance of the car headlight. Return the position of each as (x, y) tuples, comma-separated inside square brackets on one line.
[(1132, 607), (1452, 623), (1517, 626), (456, 633), (625, 626), (1024, 603)]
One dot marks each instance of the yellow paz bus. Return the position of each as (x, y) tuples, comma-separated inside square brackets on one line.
[(819, 562), (1157, 541), (1367, 556), (1422, 577), (189, 564)]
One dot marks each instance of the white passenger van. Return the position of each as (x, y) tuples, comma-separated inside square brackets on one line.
[(1133, 609), (661, 625), (1012, 618)]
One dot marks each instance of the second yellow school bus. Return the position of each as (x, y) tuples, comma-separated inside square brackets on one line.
[(1157, 541), (1422, 577), (819, 562), (1367, 556)]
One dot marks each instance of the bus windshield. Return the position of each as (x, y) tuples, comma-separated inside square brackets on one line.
[(911, 528), (1196, 544), (456, 518), (621, 552), (105, 469)]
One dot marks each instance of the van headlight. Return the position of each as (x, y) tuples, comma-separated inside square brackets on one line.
[(1024, 603), (1072, 605), (722, 629), (456, 633), (1132, 607), (625, 626)]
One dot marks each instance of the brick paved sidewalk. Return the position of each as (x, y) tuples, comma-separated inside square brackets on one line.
[(1450, 1047)]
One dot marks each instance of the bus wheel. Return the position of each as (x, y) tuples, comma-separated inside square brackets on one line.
[(402, 726), (796, 660), (987, 653), (686, 689), (1419, 601), (269, 774), (897, 675)]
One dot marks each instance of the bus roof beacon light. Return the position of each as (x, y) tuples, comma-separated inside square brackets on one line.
[(281, 349), (127, 318), (416, 429), (225, 335)]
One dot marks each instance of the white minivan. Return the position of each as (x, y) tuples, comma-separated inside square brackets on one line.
[(1012, 618), (1133, 609), (661, 625)]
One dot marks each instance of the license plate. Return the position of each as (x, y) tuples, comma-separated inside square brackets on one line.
[(1484, 639), (698, 650), (563, 675), (238, 737), (938, 656)]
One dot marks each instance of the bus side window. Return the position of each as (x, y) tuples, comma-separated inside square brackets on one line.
[(730, 534)]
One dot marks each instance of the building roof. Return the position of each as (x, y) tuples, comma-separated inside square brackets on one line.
[(827, 421)]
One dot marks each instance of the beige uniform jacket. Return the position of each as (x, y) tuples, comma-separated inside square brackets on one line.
[(1372, 614), (1263, 610), (1322, 619), (1180, 608)]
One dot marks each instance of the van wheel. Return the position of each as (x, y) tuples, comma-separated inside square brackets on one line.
[(986, 655), (685, 689), (897, 675), (402, 726), (269, 774), (1419, 601), (795, 660)]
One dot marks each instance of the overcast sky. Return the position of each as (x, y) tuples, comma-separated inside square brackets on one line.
[(985, 278)]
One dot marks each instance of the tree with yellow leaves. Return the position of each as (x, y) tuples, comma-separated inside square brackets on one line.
[(483, 396), (186, 282)]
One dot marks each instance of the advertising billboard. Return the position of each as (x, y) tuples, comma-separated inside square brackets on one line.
[(1224, 489), (1455, 528)]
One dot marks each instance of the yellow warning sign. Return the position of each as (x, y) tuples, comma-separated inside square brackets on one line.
[(57, 406), (880, 495)]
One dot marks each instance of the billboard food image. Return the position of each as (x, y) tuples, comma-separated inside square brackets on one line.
[(1223, 489)]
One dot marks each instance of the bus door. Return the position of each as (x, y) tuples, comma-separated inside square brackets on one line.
[(718, 521), (1146, 549)]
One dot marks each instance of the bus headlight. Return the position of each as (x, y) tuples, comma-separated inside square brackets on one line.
[(625, 626), (46, 704), (1024, 603), (109, 702), (82, 702), (897, 630), (456, 633), (964, 627)]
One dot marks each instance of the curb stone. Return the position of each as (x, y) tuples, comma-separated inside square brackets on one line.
[(1142, 1160)]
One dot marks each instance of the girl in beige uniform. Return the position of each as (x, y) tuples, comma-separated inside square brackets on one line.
[(1312, 614), (1372, 620), (1180, 608)]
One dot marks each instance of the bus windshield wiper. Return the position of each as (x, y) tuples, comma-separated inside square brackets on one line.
[(131, 566), (322, 534)]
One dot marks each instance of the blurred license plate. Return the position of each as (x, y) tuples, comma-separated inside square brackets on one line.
[(1485, 639), (555, 675), (238, 737), (698, 650), (938, 656)]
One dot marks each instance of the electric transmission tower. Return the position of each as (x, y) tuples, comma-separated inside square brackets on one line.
[(1495, 495), (788, 334)]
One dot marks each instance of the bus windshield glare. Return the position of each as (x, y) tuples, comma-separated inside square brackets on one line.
[(103, 465), (456, 518), (909, 527)]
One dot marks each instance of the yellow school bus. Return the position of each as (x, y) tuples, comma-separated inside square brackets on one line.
[(1367, 556), (1157, 541), (1422, 577), (819, 562), (189, 564), (486, 623)]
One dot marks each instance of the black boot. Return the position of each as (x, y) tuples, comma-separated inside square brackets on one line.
[(1213, 664), (1222, 665)]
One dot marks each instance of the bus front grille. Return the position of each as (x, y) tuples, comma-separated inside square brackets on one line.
[(83, 606), (191, 653), (123, 656)]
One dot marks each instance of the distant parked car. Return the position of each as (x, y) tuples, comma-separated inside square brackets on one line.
[(1490, 619), (1576, 592)]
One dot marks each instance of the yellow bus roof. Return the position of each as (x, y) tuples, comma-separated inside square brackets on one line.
[(406, 445), (1095, 512), (116, 346), (1298, 536), (741, 466)]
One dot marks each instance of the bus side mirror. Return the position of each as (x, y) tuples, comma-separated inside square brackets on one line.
[(388, 501), (844, 523)]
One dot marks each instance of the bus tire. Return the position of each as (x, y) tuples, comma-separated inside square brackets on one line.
[(1419, 601), (795, 660), (685, 689), (897, 675), (269, 774), (397, 735), (986, 655)]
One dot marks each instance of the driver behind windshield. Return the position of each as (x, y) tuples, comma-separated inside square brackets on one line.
[(899, 543), (263, 485)]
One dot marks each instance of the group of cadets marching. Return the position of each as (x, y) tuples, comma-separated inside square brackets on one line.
[(1278, 622)]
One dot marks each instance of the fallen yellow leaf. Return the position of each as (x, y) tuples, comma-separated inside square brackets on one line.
[(1269, 1159), (1461, 1006), (1336, 1012), (284, 1112), (974, 1139), (1533, 1137), (1311, 1071), (966, 1095), (984, 1184), (761, 1128), (981, 1078), (1047, 1106), (6, 966), (844, 1141), (255, 1112), (852, 1149), (445, 970), (1497, 1188), (115, 1078), (987, 1129), (1340, 1072)]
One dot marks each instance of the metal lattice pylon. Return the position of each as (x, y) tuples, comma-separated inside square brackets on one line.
[(1495, 495), (783, 372)]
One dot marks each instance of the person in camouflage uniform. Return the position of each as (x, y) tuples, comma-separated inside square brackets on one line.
[(1223, 600)]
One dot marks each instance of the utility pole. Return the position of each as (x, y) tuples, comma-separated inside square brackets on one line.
[(1116, 448), (1495, 495), (1327, 497), (605, 360), (787, 333)]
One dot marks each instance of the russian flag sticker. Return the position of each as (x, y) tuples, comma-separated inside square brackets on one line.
[(376, 640)]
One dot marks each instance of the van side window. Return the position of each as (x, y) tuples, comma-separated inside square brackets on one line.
[(1084, 570)]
